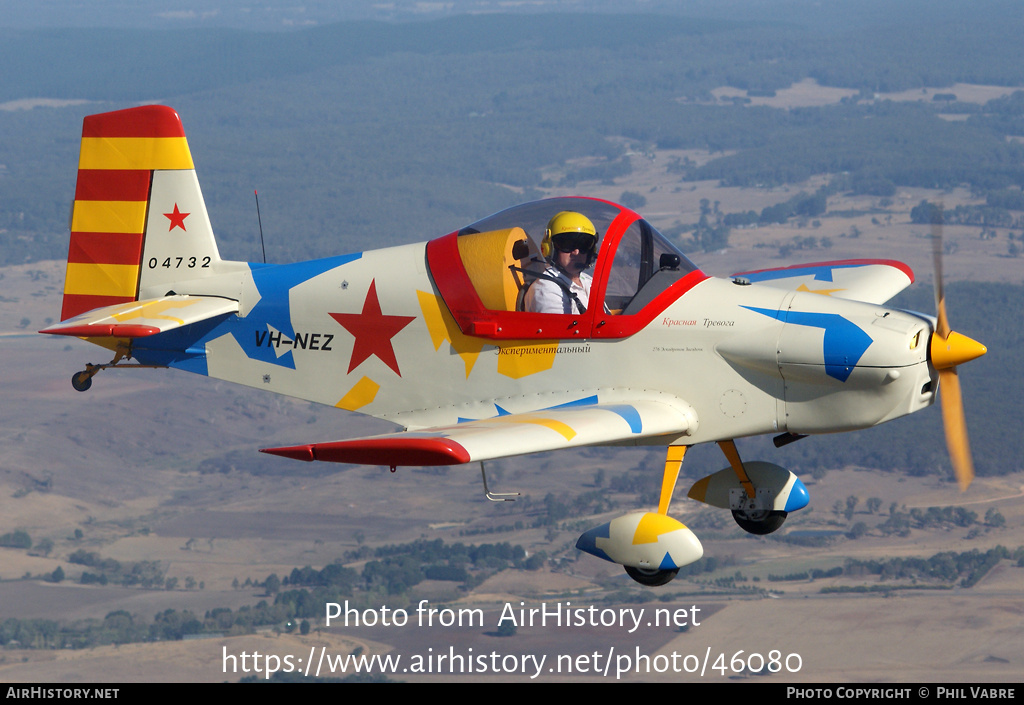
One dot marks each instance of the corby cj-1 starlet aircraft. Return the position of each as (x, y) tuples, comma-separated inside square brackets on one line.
[(440, 339)]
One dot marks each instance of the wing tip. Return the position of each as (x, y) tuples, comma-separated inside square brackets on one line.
[(407, 451), (103, 330), (303, 452)]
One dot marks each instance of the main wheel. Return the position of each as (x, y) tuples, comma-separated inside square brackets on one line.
[(649, 576), (760, 523), (81, 381)]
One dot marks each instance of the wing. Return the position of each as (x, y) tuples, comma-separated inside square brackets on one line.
[(874, 281), (512, 434), (137, 319)]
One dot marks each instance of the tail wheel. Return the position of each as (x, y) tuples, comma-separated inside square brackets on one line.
[(651, 577), (81, 381), (760, 523)]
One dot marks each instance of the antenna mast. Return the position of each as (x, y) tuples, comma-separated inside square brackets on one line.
[(260, 221)]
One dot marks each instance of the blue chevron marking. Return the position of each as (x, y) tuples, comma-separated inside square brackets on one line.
[(843, 344)]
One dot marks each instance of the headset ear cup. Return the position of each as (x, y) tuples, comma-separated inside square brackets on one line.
[(546, 246)]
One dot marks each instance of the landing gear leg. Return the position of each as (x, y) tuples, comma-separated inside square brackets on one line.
[(673, 463), (81, 381), (652, 577), (751, 509)]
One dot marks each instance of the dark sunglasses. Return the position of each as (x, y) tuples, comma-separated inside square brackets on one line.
[(569, 242)]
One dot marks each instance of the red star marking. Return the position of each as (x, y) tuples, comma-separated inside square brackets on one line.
[(373, 331), (177, 218)]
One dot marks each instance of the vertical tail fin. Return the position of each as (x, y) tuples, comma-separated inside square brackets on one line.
[(139, 220)]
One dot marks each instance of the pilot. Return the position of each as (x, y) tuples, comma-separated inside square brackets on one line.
[(570, 247)]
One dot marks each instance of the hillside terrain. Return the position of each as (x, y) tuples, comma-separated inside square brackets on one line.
[(143, 537), (160, 466)]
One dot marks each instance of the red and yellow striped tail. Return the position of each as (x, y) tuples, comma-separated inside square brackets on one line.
[(120, 152)]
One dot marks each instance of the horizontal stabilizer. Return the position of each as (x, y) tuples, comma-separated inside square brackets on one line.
[(502, 436), (873, 281), (138, 319)]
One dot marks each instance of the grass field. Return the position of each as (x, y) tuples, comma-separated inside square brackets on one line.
[(120, 465)]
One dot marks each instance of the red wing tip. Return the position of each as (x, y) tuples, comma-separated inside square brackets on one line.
[(104, 331), (294, 452), (407, 451)]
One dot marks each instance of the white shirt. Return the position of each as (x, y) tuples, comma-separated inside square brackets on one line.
[(545, 296)]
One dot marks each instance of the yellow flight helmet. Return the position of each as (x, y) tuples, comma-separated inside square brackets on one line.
[(573, 226)]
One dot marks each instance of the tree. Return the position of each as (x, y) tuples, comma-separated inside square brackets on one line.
[(851, 504), (16, 539), (925, 213), (707, 236), (813, 205)]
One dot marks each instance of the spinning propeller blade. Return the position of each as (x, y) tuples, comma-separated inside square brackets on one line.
[(949, 349)]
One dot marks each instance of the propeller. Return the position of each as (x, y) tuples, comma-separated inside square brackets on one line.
[(949, 349)]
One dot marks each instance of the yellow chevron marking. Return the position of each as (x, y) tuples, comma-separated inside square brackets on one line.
[(652, 526), (362, 393), (515, 360), (153, 310), (135, 153), (442, 327), (520, 359), (101, 279), (823, 292), (109, 217), (558, 427)]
